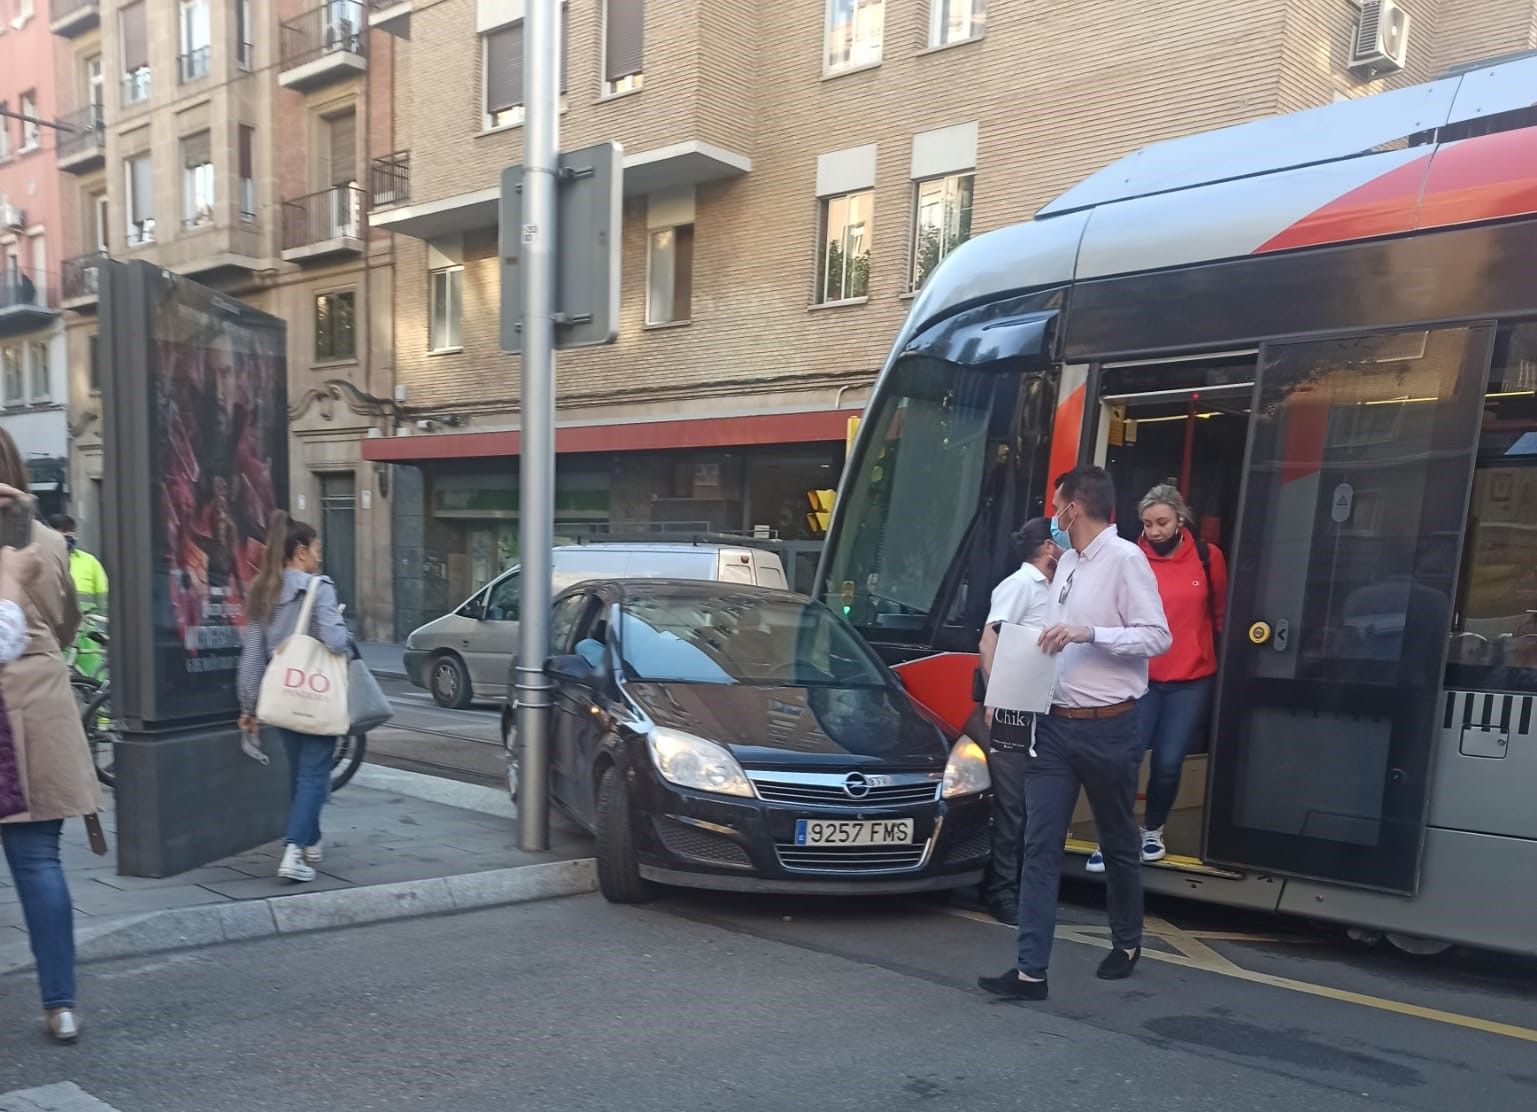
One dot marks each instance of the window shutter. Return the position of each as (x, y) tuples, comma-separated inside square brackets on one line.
[(135, 38), (143, 189), (196, 150), (343, 145), (504, 68), (247, 155), (624, 39)]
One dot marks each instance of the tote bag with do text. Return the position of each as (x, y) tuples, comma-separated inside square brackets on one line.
[(305, 686)]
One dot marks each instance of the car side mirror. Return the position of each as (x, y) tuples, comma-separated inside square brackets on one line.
[(475, 609), (573, 669)]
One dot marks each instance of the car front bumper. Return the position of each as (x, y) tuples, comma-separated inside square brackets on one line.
[(416, 666)]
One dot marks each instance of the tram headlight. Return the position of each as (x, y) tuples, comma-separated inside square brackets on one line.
[(966, 770)]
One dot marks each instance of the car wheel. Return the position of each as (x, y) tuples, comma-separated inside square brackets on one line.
[(450, 683), (619, 876)]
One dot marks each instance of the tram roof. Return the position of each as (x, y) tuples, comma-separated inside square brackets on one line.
[(1460, 149)]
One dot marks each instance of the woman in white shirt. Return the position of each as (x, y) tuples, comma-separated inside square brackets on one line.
[(1021, 599)]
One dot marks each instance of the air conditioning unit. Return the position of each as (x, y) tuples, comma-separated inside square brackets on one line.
[(1382, 38), (12, 217)]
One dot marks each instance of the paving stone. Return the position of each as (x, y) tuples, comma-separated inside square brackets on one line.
[(190, 878), (265, 887), (65, 1096), (98, 899)]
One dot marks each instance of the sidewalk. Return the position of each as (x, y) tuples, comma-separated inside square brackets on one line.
[(397, 844), (384, 659)]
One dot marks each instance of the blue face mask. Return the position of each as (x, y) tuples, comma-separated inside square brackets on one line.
[(1060, 536)]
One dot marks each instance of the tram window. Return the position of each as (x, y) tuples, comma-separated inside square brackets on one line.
[(1494, 629)]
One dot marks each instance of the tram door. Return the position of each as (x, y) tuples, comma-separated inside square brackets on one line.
[(1344, 564)]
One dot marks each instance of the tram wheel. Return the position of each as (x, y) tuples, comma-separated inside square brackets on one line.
[(1416, 946)]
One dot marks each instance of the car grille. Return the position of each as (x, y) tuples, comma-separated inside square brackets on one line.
[(977, 845), (700, 845), (827, 790), (850, 859)]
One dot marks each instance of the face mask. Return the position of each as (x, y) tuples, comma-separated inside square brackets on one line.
[(71, 541), (1163, 548), (1059, 535)]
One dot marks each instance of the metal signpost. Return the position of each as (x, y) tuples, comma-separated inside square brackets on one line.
[(560, 268)]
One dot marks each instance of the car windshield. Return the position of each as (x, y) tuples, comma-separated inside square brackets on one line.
[(741, 639)]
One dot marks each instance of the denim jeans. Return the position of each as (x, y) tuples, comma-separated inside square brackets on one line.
[(1172, 717), (32, 851), (309, 782)]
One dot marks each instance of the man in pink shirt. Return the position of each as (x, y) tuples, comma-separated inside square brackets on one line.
[(1106, 620)]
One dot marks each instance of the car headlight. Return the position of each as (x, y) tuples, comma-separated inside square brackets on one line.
[(693, 762), (966, 770)]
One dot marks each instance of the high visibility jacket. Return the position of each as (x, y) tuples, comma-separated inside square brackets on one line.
[(90, 580)]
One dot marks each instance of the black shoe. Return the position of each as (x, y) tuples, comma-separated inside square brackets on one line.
[(1117, 967), (1011, 985), (1005, 911)]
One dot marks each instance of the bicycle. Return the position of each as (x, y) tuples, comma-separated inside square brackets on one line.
[(348, 757), (94, 697)]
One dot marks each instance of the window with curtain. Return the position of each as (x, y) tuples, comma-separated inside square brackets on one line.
[(197, 180), (42, 378), (196, 40), (141, 200), (855, 29), (956, 21), (502, 72), (134, 35), (447, 309), (247, 172), (15, 386), (624, 46), (31, 130)]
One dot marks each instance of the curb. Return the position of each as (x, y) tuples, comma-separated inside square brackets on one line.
[(435, 789), (211, 924)]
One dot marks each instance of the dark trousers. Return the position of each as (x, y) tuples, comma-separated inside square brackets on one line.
[(1172, 716), (1007, 768), (1103, 757)]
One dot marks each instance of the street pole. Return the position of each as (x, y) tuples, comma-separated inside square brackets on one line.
[(536, 463)]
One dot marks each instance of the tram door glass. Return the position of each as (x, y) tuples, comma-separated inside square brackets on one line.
[(1355, 500)]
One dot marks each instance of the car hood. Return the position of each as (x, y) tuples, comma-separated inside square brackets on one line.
[(801, 726)]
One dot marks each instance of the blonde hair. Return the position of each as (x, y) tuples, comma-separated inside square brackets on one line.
[(1166, 494)]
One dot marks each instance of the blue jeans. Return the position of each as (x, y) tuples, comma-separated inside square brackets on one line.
[(32, 852), (309, 782), (1172, 717)]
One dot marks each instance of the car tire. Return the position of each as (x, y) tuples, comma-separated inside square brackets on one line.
[(449, 682), (619, 876)]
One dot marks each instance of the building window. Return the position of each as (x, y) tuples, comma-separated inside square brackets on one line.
[(93, 364), (5, 132), (335, 335), (141, 200), (247, 172), (244, 35), (942, 221), (956, 21), (447, 309), (624, 46), (42, 386), (31, 130), (196, 180), (854, 32), (95, 85), (502, 72), (10, 362), (670, 275), (196, 40), (135, 38), (98, 218), (843, 253)]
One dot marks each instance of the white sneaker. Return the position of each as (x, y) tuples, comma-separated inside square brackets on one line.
[(311, 854), (1096, 862), (292, 867), (1152, 846)]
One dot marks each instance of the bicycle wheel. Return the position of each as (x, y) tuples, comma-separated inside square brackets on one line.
[(96, 718), (349, 755)]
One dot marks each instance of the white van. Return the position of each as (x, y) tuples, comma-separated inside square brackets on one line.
[(467, 655)]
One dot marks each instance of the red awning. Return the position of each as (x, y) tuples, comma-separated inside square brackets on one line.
[(641, 436)]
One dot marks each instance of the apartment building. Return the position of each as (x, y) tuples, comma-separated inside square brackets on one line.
[(32, 357), (792, 171), (227, 140)]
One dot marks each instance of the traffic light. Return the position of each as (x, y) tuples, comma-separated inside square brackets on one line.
[(821, 510)]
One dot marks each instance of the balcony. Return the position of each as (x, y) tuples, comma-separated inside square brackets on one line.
[(390, 16), (194, 65), (27, 301), (79, 280), (326, 223), (73, 17), (389, 179), (82, 140), (324, 45), (136, 86)]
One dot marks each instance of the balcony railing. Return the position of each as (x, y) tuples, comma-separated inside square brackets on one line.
[(323, 219), (194, 64), (79, 278), (82, 134), (337, 27), (136, 86), (389, 179), (27, 299)]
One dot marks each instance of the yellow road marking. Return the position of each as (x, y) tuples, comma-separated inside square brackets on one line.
[(1195, 954)]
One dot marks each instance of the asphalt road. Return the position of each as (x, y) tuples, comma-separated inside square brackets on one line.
[(423, 737), (724, 1004)]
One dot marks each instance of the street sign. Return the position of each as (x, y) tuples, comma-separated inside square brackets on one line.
[(589, 225)]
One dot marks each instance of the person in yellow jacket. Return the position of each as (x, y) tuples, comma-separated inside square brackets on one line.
[(91, 588)]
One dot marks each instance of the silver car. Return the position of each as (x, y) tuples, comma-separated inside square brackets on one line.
[(467, 655)]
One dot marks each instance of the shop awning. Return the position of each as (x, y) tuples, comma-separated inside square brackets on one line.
[(812, 427)]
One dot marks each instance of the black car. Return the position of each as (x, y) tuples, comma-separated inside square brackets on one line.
[(732, 737)]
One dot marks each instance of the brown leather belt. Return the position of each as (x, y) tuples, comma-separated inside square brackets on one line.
[(1114, 710)]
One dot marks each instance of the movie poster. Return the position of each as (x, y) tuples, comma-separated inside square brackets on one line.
[(219, 442)]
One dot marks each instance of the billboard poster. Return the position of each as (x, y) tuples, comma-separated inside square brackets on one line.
[(218, 439)]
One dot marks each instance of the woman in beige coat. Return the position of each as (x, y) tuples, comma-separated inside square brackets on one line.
[(53, 760)]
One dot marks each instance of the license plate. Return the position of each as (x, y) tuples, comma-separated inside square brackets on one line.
[(853, 832)]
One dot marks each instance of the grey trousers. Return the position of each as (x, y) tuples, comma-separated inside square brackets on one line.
[(1103, 756)]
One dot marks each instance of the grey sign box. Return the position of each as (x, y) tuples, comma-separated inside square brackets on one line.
[(590, 222)]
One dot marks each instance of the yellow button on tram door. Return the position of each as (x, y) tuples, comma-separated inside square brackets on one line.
[(1259, 633)]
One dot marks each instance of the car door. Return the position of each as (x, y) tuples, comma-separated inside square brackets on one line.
[(586, 706), (490, 644), (565, 701)]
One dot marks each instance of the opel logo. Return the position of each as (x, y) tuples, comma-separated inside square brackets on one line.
[(856, 786)]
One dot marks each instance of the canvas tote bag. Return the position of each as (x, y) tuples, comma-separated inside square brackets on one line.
[(305, 686)]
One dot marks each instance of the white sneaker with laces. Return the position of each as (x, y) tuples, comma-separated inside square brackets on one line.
[(292, 867), (1152, 846), (311, 854), (1096, 862)]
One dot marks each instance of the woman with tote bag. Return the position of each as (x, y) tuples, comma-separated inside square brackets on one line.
[(288, 588)]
